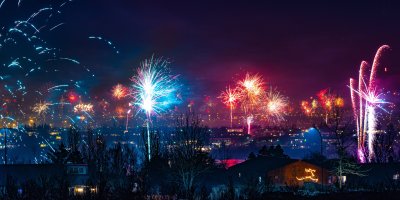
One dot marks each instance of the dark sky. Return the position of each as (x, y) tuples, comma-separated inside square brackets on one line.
[(299, 47)]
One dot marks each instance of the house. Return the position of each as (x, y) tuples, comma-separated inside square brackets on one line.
[(280, 171), (76, 175), (298, 173), (257, 167)]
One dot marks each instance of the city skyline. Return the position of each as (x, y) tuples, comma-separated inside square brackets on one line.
[(199, 100)]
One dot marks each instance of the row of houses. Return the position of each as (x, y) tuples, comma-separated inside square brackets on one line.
[(277, 172), (281, 172), (76, 175)]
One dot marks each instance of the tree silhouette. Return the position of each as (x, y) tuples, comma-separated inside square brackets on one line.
[(189, 160), (251, 156), (59, 156)]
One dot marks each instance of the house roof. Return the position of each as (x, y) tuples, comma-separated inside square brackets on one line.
[(259, 166)]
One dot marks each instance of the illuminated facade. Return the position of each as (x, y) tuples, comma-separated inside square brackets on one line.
[(298, 173)]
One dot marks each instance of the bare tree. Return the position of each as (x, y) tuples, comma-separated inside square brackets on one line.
[(338, 122), (345, 166), (188, 158), (340, 125), (73, 138), (383, 146)]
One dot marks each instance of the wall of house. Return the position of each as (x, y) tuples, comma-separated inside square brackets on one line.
[(298, 173)]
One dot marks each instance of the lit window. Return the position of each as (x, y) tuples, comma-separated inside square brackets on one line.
[(396, 176), (342, 179)]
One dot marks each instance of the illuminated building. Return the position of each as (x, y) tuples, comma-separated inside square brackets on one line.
[(77, 175), (280, 170), (298, 173)]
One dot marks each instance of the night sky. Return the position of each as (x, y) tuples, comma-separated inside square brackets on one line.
[(300, 48)]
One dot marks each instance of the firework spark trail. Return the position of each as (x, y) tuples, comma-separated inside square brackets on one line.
[(51, 146), (1, 4), (63, 4), (373, 100), (57, 86), (26, 23), (87, 114), (38, 12), (371, 108), (15, 63), (375, 65), (371, 131), (363, 67), (109, 43), (60, 103), (230, 97), (369, 100), (127, 118), (152, 89), (24, 28), (45, 157), (54, 27), (16, 77), (249, 120), (73, 121), (355, 111), (7, 117), (72, 60)]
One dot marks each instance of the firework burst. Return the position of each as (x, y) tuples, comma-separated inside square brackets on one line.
[(230, 97), (153, 87), (119, 91), (251, 89), (329, 102), (305, 106), (41, 108), (275, 105), (365, 112), (85, 108)]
